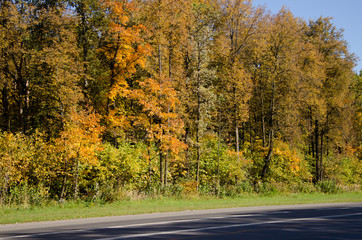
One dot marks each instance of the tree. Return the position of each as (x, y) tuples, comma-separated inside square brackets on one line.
[(239, 26), (199, 75), (78, 145), (167, 22), (124, 50), (337, 69), (277, 73)]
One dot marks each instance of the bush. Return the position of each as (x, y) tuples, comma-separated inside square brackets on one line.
[(224, 165), (304, 187), (265, 188), (23, 194), (189, 188), (328, 186), (343, 169)]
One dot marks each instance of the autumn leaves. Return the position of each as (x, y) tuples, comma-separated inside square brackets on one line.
[(209, 91)]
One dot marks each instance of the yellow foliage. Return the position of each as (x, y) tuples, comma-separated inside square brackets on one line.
[(287, 164)]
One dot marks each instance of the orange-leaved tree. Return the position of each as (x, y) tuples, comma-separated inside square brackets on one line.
[(78, 144), (124, 50), (163, 125)]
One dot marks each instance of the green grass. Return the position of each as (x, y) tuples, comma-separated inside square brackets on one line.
[(73, 210)]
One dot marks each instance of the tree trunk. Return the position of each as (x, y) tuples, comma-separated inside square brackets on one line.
[(110, 103), (218, 153), (187, 154), (85, 50), (263, 122), (76, 188), (198, 117), (149, 162), (23, 104), (165, 170), (250, 133), (149, 152), (268, 156), (6, 113), (62, 194), (237, 143), (321, 158), (168, 110), (271, 135), (161, 168), (198, 147), (242, 133), (310, 145), (316, 142), (159, 61)]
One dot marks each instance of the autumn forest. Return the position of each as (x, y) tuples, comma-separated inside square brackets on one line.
[(102, 98)]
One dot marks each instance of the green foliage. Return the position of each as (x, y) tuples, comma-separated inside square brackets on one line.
[(265, 188), (25, 195), (328, 186), (118, 168), (343, 169), (221, 163)]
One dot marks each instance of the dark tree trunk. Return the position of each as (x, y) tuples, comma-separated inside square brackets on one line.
[(112, 66), (165, 172), (242, 133), (161, 168), (198, 118), (321, 158), (6, 109), (263, 122), (271, 135), (187, 153), (316, 142), (149, 162), (237, 143), (250, 132), (218, 151), (268, 156)]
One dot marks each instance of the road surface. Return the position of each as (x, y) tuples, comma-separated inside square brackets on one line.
[(311, 221)]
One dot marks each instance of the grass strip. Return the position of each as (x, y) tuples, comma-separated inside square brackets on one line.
[(81, 209)]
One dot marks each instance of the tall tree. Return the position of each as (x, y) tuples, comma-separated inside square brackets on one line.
[(337, 69), (278, 72), (200, 76), (167, 24), (124, 50), (239, 26)]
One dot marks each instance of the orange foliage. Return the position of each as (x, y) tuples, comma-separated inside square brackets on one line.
[(126, 49), (158, 101), (80, 138)]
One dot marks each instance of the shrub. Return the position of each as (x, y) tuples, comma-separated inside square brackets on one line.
[(328, 186)]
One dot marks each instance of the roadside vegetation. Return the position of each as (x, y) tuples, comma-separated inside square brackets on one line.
[(75, 209), (112, 102)]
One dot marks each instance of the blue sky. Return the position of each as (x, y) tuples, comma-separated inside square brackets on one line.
[(347, 14)]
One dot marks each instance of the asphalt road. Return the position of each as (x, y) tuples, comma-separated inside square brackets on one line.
[(312, 221)]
